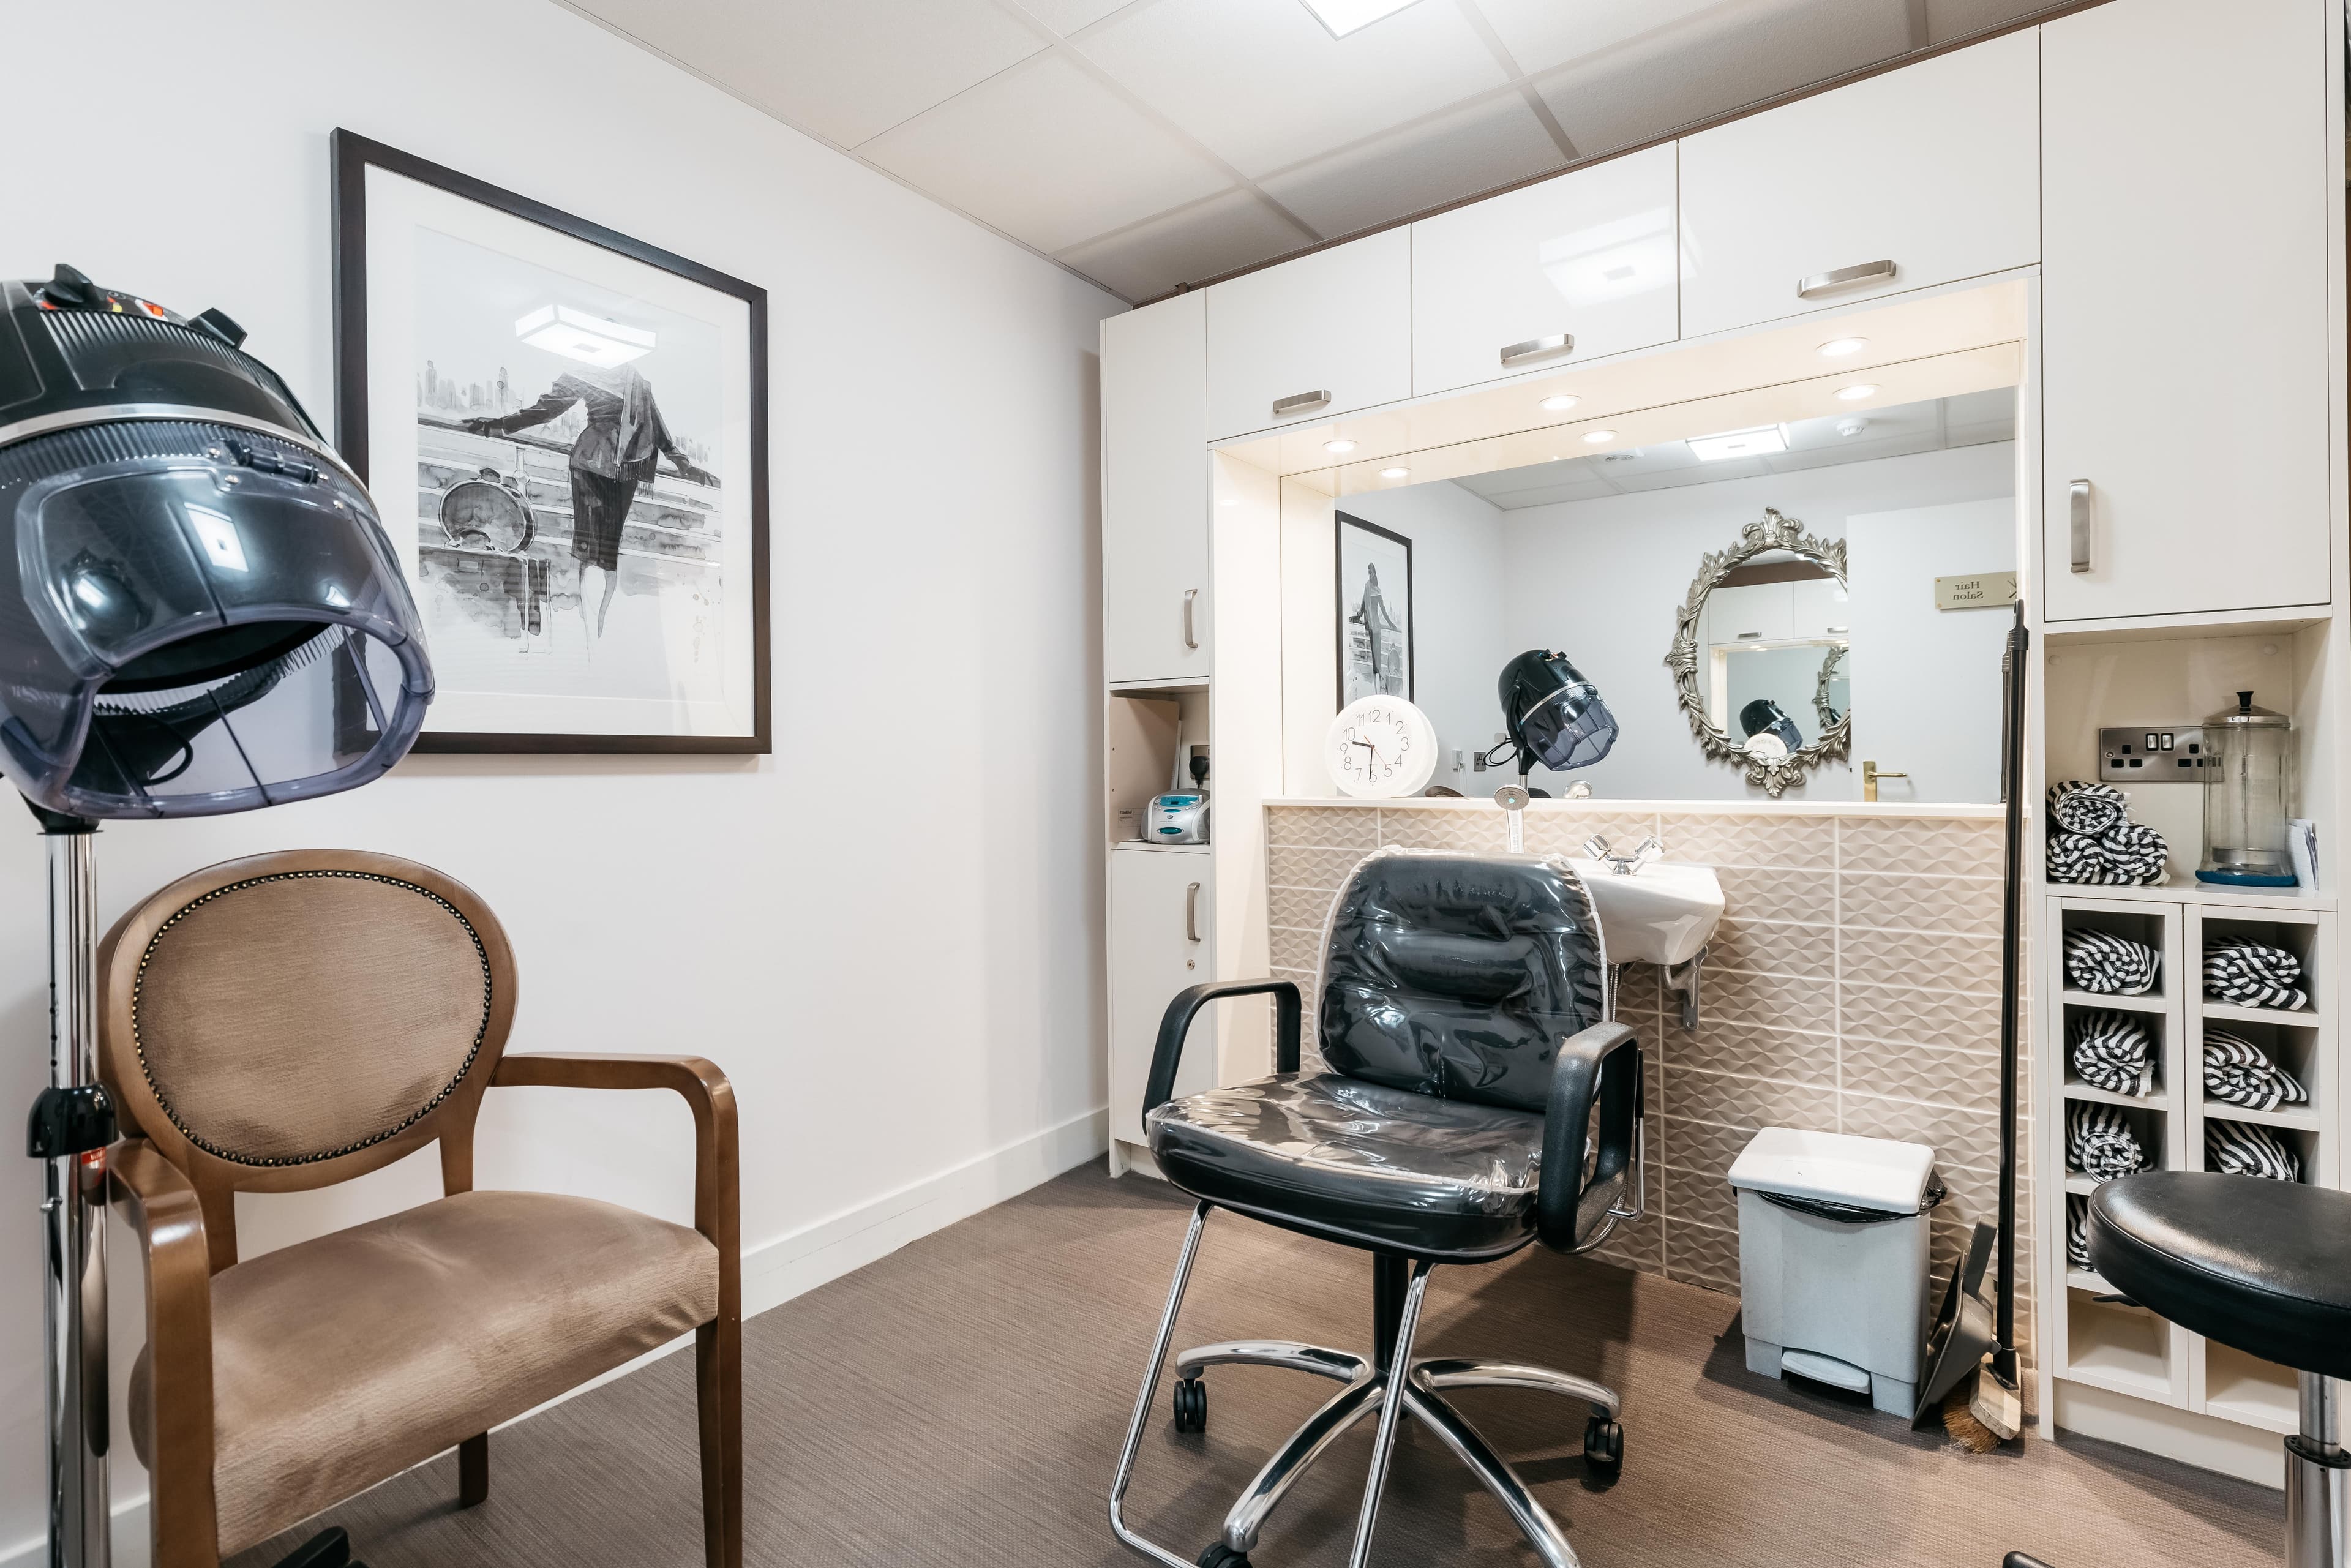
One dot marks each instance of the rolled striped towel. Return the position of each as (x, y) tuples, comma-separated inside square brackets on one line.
[(2100, 1143), (2109, 964), (2112, 1052), (2081, 806), (2241, 1073), (2078, 858), (2236, 1149), (2078, 1231), (2137, 852), (2253, 974)]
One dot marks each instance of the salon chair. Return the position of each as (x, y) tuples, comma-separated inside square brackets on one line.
[(1462, 1019), (2263, 1267), (292, 1021)]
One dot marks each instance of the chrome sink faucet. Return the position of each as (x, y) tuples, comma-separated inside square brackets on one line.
[(1648, 850)]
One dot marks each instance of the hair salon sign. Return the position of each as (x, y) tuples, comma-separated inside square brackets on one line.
[(1982, 590)]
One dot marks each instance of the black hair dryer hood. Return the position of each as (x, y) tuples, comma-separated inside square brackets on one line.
[(1553, 715), (199, 610)]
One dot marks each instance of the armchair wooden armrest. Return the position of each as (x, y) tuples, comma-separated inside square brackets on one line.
[(169, 1220)]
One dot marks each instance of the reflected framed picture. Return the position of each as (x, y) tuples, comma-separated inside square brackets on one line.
[(1374, 619), (565, 430)]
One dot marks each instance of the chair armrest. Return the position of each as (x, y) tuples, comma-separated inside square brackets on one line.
[(168, 1218), (716, 1155), (1177, 1023), (1602, 1065)]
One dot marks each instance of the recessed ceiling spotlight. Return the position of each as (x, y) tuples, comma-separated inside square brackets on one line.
[(1838, 348), (1341, 17), (1599, 437), (1856, 392), (1340, 448), (1394, 473), (1852, 424), (1560, 403), (1756, 443)]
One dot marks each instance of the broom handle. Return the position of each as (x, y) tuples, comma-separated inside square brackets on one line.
[(2012, 921)]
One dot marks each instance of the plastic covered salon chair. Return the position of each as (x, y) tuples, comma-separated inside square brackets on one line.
[(1462, 1018)]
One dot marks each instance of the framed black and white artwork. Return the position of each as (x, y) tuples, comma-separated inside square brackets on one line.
[(1374, 575), (565, 430)]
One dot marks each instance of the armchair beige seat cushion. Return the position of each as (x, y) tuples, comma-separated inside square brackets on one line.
[(339, 1362)]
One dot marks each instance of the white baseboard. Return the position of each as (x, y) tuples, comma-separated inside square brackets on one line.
[(774, 1271)]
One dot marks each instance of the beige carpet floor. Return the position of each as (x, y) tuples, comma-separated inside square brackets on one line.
[(961, 1402)]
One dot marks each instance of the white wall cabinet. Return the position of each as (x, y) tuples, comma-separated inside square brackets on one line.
[(1338, 322), (1162, 939), (1156, 510), (1578, 267), (2184, 358), (1931, 168)]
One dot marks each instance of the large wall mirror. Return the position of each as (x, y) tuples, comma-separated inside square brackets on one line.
[(1784, 578)]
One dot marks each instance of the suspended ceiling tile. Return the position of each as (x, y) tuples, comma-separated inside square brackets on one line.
[(1695, 473), (1717, 62), (1949, 19), (1261, 83), (1219, 235), (845, 72), (1048, 154), (1461, 152), (1067, 16), (1541, 33)]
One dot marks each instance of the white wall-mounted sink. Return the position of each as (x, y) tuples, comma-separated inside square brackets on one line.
[(1662, 913)]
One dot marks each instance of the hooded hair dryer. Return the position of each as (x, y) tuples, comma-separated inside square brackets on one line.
[(1552, 715), (199, 613)]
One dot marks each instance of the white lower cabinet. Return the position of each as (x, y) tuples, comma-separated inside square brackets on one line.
[(1162, 940), (1919, 176), (2184, 406), (1579, 267)]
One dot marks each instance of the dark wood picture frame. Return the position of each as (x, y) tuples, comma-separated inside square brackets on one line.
[(353, 155), (1341, 523)]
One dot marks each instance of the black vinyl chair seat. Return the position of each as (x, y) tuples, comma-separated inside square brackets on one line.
[(1360, 1163), (2263, 1267)]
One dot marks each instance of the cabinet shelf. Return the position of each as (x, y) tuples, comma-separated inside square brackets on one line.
[(2154, 1002), (2162, 1100), (2279, 903), (2291, 1018), (2083, 1279), (2300, 1120)]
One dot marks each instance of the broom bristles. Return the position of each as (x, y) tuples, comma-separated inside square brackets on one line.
[(1959, 1421)]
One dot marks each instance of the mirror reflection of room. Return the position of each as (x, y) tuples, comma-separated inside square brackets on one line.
[(1846, 655)]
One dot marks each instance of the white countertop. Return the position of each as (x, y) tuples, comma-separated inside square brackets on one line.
[(1961, 812)]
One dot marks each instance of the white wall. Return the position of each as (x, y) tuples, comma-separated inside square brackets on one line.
[(899, 992), (1603, 580), (1460, 642)]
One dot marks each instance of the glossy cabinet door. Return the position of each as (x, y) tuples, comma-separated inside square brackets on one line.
[(1922, 175), (2184, 308), (1155, 508), (1579, 267), (1162, 940), (1322, 335)]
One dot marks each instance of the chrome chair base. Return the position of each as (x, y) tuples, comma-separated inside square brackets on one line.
[(1365, 1390)]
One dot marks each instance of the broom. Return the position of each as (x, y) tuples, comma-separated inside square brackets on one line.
[(1987, 1410)]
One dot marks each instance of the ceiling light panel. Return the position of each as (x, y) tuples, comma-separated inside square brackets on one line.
[(1344, 16), (1759, 443)]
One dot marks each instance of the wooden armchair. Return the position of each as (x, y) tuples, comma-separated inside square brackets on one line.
[(293, 1021)]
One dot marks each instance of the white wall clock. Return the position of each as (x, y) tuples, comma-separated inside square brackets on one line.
[(1381, 746)]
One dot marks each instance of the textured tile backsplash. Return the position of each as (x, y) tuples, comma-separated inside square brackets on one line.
[(1853, 985)]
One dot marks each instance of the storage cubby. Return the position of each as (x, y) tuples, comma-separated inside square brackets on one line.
[(2299, 937), (2163, 1052), (2119, 1346), (2149, 1123), (2294, 1047), (2247, 1388), (2302, 1143), (2154, 928)]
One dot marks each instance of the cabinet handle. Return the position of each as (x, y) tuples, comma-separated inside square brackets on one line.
[(1539, 349), (1192, 912), (1303, 403), (2078, 505), (1190, 639), (1822, 283)]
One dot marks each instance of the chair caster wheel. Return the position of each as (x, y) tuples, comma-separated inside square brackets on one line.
[(1603, 1444), (1191, 1406), (1223, 1556)]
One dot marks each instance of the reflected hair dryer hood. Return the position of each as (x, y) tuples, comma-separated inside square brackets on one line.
[(1553, 715), (1764, 717), (199, 610)]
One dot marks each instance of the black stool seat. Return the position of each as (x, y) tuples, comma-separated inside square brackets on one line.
[(2263, 1267)]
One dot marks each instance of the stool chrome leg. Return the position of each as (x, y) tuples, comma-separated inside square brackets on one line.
[(1478, 1372), (1322, 1428), (1150, 1390), (1383, 1444), (1534, 1522), (2317, 1480), (1289, 1355)]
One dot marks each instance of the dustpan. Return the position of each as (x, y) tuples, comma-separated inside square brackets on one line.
[(1964, 1328)]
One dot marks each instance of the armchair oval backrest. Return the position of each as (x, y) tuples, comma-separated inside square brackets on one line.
[(296, 1020), (1458, 976)]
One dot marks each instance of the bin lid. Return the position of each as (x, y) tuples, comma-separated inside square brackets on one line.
[(1835, 1168)]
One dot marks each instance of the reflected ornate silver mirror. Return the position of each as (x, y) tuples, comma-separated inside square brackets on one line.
[(1762, 654)]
